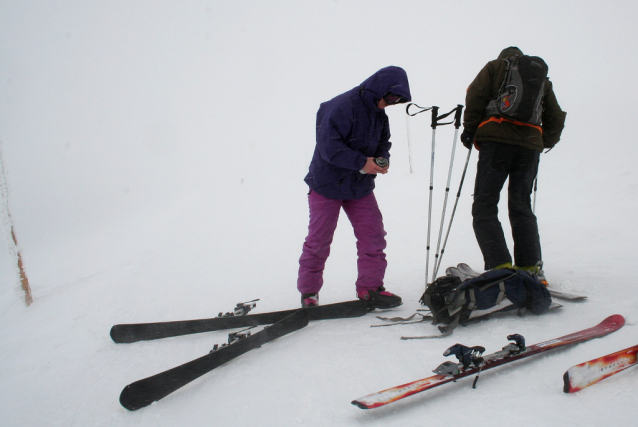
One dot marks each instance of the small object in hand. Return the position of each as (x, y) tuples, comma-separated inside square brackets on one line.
[(381, 162)]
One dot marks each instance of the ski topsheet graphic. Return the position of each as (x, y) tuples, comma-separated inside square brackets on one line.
[(472, 362), (585, 374)]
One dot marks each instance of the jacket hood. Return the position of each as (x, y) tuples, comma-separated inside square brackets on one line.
[(510, 51), (389, 79)]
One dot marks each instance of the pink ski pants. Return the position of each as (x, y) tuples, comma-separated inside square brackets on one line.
[(367, 222)]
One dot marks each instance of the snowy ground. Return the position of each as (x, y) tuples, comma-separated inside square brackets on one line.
[(155, 155)]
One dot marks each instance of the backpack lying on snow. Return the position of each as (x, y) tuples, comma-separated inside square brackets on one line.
[(521, 94), (453, 301)]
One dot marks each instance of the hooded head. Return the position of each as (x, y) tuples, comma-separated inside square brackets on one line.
[(510, 51), (390, 79)]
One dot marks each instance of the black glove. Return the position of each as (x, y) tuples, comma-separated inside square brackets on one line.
[(467, 138)]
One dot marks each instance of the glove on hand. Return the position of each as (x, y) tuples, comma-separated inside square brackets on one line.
[(467, 138)]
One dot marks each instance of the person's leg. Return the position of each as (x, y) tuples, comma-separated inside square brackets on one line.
[(324, 214), (527, 247), (490, 176), (366, 219), (367, 222)]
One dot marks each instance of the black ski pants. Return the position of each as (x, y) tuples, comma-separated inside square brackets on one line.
[(497, 162)]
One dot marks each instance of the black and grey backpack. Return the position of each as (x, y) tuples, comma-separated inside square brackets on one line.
[(520, 97), (452, 301)]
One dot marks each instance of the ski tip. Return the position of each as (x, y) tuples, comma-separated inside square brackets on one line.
[(118, 337), (124, 334), (360, 404), (129, 401), (614, 322)]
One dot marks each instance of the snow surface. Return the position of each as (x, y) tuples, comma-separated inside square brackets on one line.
[(155, 153)]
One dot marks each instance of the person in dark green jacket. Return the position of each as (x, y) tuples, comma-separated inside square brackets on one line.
[(507, 149)]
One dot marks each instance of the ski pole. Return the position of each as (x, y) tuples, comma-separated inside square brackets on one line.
[(457, 125), (435, 123), (477, 376), (456, 203), (407, 124), (536, 185), (435, 114), (407, 128), (535, 190)]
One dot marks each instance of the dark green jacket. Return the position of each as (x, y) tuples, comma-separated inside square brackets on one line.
[(495, 128)]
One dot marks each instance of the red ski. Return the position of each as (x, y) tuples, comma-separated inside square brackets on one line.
[(448, 372), (580, 376)]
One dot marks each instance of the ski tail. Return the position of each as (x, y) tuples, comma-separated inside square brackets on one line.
[(588, 373)]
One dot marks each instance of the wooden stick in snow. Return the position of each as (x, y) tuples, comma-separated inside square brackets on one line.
[(10, 235)]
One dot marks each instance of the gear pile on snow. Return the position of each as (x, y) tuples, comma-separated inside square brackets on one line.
[(452, 300)]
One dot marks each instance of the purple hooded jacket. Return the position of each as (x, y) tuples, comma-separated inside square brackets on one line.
[(350, 128)]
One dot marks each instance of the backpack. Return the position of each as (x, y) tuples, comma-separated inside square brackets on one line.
[(451, 301), (521, 94)]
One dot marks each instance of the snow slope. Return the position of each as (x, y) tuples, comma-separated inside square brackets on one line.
[(155, 153)]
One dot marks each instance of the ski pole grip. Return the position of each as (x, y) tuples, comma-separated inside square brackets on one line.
[(457, 116), (441, 117), (435, 116)]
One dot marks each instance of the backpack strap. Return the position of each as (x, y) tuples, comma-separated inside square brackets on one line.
[(472, 296), (461, 299), (448, 329), (472, 303), (491, 108), (499, 298), (501, 293), (501, 285)]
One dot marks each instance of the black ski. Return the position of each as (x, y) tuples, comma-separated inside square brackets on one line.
[(144, 392), (129, 333)]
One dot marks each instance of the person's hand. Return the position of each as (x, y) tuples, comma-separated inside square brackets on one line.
[(373, 168), (467, 138)]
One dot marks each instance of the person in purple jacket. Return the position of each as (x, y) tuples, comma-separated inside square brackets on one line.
[(353, 146)]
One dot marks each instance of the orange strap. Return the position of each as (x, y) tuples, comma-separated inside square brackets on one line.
[(503, 119)]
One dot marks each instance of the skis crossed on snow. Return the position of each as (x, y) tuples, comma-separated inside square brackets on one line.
[(148, 390)]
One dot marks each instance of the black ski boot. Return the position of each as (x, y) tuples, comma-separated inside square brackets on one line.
[(379, 298)]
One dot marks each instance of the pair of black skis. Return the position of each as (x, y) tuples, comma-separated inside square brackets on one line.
[(148, 390)]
